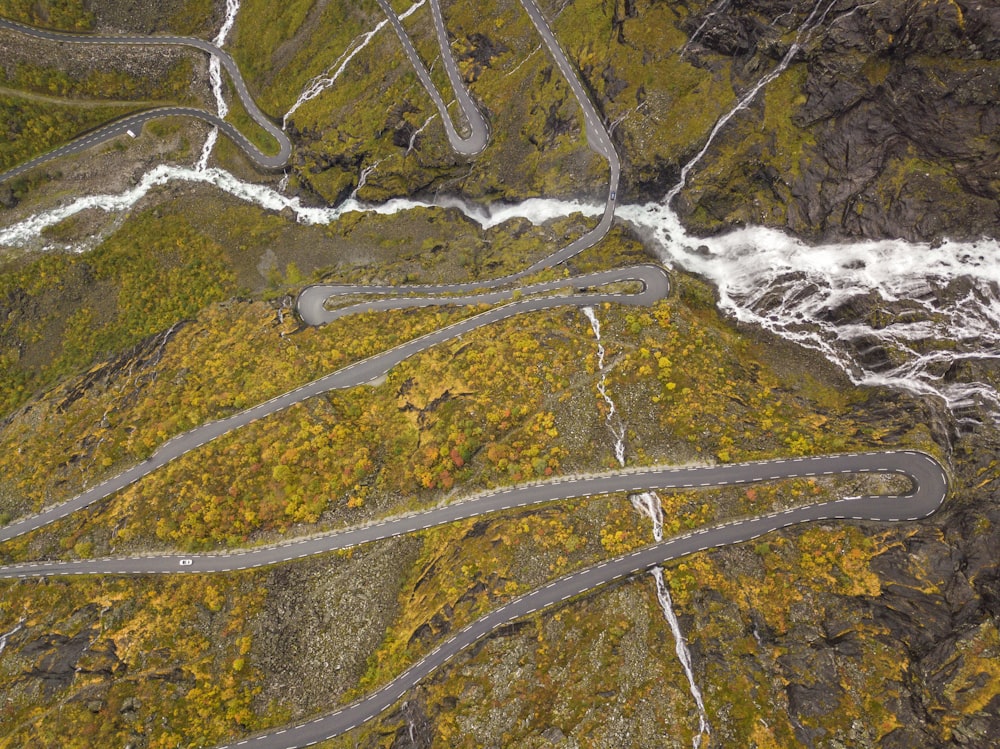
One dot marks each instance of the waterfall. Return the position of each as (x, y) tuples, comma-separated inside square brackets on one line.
[(613, 421), (764, 278), (801, 37), (683, 654), (415, 133), (648, 504), (215, 78), (701, 27), (363, 178), (3, 638), (324, 80), (775, 281)]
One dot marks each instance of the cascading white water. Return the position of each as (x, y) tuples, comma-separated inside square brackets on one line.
[(415, 133), (683, 654), (3, 638), (701, 27), (949, 293), (206, 149), (324, 80), (26, 232), (764, 277), (801, 37), (612, 420), (648, 504), (363, 178), (215, 78)]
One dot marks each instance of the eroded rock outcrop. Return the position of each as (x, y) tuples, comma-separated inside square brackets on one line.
[(895, 124)]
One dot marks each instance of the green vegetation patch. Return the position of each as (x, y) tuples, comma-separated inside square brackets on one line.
[(35, 127), (66, 311), (100, 84), (161, 658), (72, 15)]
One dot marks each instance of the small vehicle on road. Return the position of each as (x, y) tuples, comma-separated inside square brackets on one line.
[(187, 562), (612, 194)]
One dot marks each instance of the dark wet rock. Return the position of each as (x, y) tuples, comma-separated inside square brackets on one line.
[(908, 737), (402, 134), (856, 309), (729, 35), (898, 123), (871, 353), (7, 197), (553, 735), (480, 52), (624, 9), (55, 658), (415, 730), (101, 658), (558, 123), (613, 84)]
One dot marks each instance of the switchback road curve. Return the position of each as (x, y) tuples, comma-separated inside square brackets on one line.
[(929, 488), (136, 121), (479, 133), (928, 480), (654, 286)]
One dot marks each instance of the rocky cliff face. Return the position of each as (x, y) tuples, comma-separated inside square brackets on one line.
[(937, 612), (895, 121), (884, 125)]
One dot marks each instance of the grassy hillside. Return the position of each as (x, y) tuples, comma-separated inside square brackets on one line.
[(508, 403), (839, 634)]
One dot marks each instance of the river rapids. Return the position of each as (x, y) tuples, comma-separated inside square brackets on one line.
[(935, 329)]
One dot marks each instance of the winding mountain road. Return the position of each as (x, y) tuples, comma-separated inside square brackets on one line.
[(479, 134), (929, 482), (653, 280), (136, 121)]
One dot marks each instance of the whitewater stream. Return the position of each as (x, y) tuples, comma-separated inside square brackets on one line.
[(936, 330), (648, 504), (215, 79), (946, 327), (326, 79), (3, 637)]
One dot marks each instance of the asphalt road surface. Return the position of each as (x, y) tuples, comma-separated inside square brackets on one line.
[(136, 121), (929, 488), (653, 280), (479, 136), (925, 474), (929, 483)]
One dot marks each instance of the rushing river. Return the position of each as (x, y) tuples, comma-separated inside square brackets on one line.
[(936, 330), (913, 316)]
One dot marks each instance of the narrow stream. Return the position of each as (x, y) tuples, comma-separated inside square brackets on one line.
[(363, 178), (951, 291), (764, 277), (612, 419), (215, 78), (801, 37), (3, 638), (648, 504), (325, 80)]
